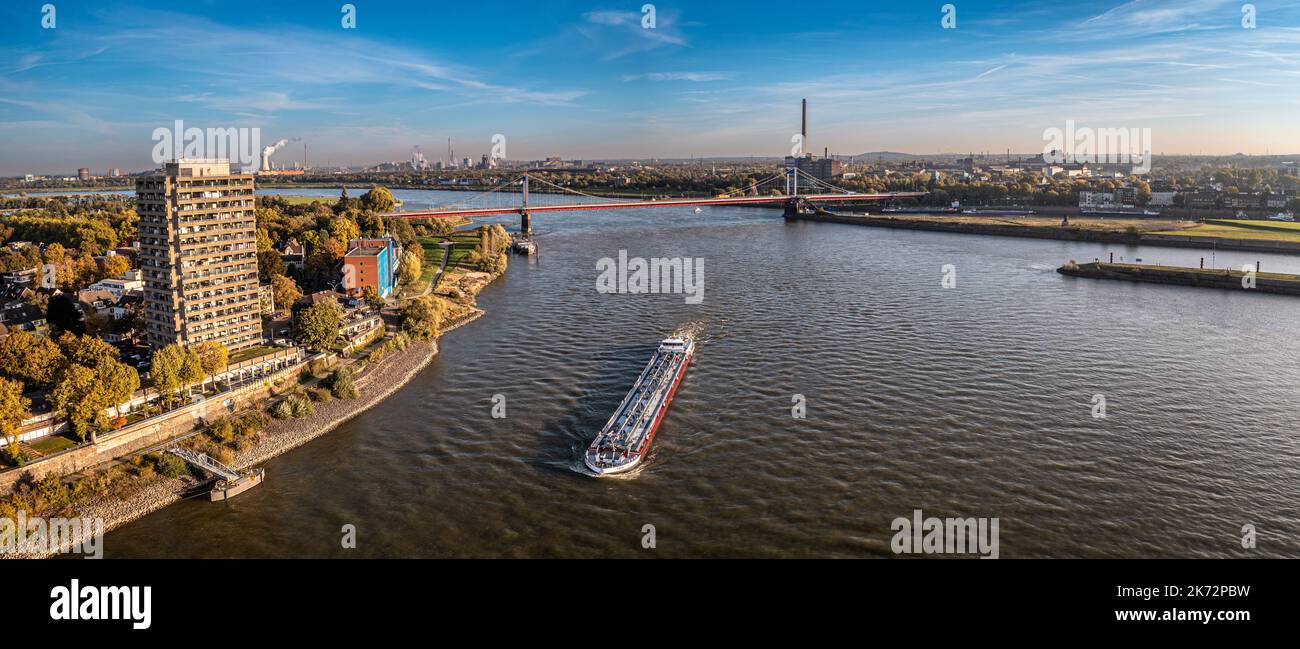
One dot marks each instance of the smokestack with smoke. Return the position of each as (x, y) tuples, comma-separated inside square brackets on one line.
[(270, 150)]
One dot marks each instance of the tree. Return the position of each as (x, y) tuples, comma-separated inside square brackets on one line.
[(175, 367), (269, 265), (114, 266), (33, 360), (120, 381), (378, 199), (344, 203), (371, 224), (285, 292), (54, 253), (264, 240), (14, 409), (213, 357), (371, 296), (402, 230), (422, 317), (489, 254), (318, 325), (344, 229), (409, 270), (82, 401), (86, 350)]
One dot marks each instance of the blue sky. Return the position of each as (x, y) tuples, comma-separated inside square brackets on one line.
[(585, 80)]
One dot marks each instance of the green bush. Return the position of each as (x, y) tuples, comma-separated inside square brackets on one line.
[(171, 466), (300, 407), (223, 455), (222, 430), (293, 407), (341, 384), (282, 410), (320, 395), (250, 424), (319, 366)]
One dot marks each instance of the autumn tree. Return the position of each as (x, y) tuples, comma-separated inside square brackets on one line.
[(54, 253), (422, 317), (31, 359), (378, 199), (318, 325), (409, 270), (86, 350), (82, 401), (114, 266), (285, 292), (174, 368), (213, 357), (14, 409), (344, 229), (402, 230), (371, 296), (90, 381)]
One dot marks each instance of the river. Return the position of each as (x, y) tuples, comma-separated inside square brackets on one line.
[(971, 401)]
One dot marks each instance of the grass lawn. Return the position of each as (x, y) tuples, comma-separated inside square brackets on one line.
[(1278, 226), (1054, 222), (252, 352), (1217, 229), (53, 444), (461, 245), (307, 200)]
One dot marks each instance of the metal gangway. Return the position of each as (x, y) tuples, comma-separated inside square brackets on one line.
[(203, 461)]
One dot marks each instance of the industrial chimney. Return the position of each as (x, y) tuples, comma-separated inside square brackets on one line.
[(803, 129)]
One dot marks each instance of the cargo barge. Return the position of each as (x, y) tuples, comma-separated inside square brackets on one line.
[(625, 440)]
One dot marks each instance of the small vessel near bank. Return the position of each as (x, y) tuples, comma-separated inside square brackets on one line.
[(625, 440), (229, 482)]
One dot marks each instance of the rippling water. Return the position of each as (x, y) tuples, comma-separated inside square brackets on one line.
[(970, 401)]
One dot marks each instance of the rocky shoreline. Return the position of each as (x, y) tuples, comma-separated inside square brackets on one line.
[(374, 384)]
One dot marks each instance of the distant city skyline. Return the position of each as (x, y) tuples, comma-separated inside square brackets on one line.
[(587, 81)]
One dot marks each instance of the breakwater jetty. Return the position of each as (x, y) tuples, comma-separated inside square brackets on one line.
[(1233, 280), (1112, 231)]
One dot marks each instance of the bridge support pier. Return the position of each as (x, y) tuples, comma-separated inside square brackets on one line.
[(525, 223)]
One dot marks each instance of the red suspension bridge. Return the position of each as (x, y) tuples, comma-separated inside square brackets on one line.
[(790, 197)]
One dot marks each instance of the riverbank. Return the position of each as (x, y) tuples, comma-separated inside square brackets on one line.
[(1133, 232), (1233, 280), (375, 382)]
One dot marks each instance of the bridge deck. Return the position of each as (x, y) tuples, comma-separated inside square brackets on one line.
[(632, 204)]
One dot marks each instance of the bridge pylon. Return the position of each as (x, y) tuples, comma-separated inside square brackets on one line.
[(525, 219)]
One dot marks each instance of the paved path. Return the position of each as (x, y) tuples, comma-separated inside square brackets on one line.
[(446, 256)]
